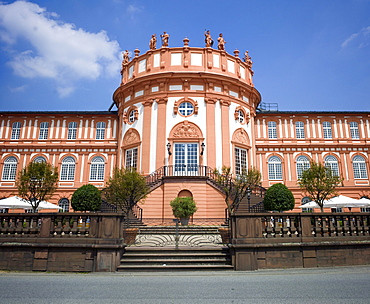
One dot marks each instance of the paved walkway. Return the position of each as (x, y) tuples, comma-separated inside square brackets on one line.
[(316, 285)]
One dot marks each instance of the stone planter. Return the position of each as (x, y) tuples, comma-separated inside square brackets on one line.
[(184, 221), (130, 235), (225, 235)]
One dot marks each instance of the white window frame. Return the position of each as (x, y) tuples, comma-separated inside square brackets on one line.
[(241, 156), (275, 168), (353, 127), (97, 169), (271, 128), (40, 159), (303, 163), (44, 130), (72, 130), (326, 127), (67, 172), (10, 169), (241, 116), (186, 108), (332, 163), (16, 130), (64, 204), (131, 158), (359, 167), (100, 130), (299, 130)]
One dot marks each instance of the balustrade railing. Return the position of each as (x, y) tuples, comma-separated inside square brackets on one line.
[(283, 225), (52, 225)]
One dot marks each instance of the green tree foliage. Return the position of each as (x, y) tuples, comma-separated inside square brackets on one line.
[(319, 183), (183, 207), (125, 189), (278, 198), (237, 187), (86, 198), (37, 182)]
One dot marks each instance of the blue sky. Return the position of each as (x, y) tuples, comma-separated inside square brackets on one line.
[(309, 55)]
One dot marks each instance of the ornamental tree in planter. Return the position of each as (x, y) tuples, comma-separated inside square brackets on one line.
[(183, 208), (86, 198), (278, 198)]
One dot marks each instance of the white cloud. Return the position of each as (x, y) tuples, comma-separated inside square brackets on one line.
[(360, 39), (59, 51), (18, 89)]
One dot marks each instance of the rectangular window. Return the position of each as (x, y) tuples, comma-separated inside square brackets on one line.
[(299, 130), (240, 160), (16, 130), (100, 130), (271, 127), (44, 130), (327, 130), (72, 130), (353, 126), (131, 158)]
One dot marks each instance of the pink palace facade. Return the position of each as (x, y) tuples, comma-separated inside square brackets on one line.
[(180, 112)]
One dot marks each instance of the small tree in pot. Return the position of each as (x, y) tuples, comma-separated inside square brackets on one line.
[(183, 208)]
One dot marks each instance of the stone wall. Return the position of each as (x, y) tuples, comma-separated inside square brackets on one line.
[(278, 240), (78, 242)]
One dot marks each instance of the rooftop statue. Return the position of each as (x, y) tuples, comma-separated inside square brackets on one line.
[(153, 42), (208, 40), (126, 59), (221, 42), (165, 38), (248, 60)]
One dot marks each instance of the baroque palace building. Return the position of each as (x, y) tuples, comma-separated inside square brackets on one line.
[(182, 112)]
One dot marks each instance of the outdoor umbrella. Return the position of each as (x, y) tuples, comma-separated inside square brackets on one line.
[(343, 201), (310, 205), (364, 201), (15, 202)]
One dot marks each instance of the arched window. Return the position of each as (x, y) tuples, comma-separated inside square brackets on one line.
[(326, 126), (332, 163), (64, 204), (359, 167), (68, 169), (186, 108), (275, 169), (10, 169), (97, 169), (72, 130), (44, 130), (353, 127), (39, 159), (299, 130), (100, 130), (303, 164), (271, 128), (16, 130)]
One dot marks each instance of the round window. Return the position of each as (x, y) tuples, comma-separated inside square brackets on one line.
[(186, 108), (240, 116), (131, 117)]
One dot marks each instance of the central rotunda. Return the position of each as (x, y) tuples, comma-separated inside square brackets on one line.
[(183, 112)]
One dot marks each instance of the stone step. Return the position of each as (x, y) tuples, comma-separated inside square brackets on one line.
[(160, 268), (184, 258)]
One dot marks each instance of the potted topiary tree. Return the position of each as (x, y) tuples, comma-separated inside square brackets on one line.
[(183, 208)]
